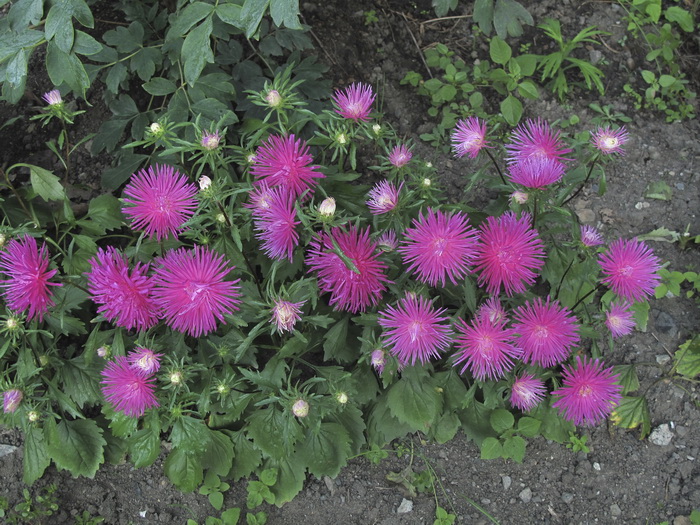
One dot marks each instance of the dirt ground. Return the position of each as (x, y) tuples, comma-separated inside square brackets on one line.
[(622, 479)]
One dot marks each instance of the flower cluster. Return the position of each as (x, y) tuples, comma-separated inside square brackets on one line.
[(128, 382)]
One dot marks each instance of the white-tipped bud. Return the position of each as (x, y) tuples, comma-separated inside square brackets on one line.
[(327, 207), (274, 99), (341, 397), (300, 408), (204, 182)]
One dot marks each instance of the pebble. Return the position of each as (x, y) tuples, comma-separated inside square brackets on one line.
[(405, 507), (567, 497), (6, 450), (507, 481), (615, 510), (662, 359), (525, 495), (661, 435)]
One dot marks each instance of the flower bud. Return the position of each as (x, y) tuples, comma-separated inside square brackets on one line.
[(104, 351), (33, 416), (427, 182), (222, 389), (220, 217), (11, 400), (3, 239), (273, 98), (12, 324), (210, 141), (341, 397), (204, 182), (519, 196), (300, 408), (176, 378), (341, 138), (43, 360), (327, 207), (53, 97), (378, 359), (377, 129), (156, 128)]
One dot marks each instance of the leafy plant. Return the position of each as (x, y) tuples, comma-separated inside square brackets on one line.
[(505, 16), (32, 510), (578, 444)]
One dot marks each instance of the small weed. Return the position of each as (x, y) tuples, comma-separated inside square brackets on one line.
[(578, 444), (371, 17)]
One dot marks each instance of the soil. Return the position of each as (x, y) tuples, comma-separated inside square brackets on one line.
[(621, 479)]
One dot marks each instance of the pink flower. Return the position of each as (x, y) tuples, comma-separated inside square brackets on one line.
[(355, 102), (590, 237), (486, 348), (536, 139), (259, 198), (589, 392), (387, 241), (128, 389), (630, 269), (285, 315), (609, 141), (355, 281), (378, 360), (619, 319), (27, 286), (527, 392), (468, 137), (210, 141), (123, 297), (159, 201), (510, 254), (53, 97), (275, 224), (535, 172), (439, 246), (191, 291), (415, 329), (285, 161), (492, 311), (383, 197), (145, 360), (11, 400), (400, 156), (545, 331)]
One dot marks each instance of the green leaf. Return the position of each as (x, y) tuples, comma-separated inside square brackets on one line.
[(336, 345), (104, 214), (442, 7), (687, 358), (77, 446), (508, 18), (24, 13), (290, 479), (491, 448), (528, 89), (500, 51), (59, 25), (648, 76), (144, 447), (36, 455), (46, 184), (414, 399), (196, 51), (218, 457), (274, 432), (81, 381), (216, 499), (501, 420), (231, 516), (188, 18), (191, 435), (86, 44), (251, 15), (529, 426), (159, 87), (628, 378), (326, 450), (514, 447), (184, 470), (285, 12), (666, 80), (483, 15), (120, 424), (446, 427), (631, 413), (231, 14), (641, 315), (512, 110), (682, 17), (64, 67)]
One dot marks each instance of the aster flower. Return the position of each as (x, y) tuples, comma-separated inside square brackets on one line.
[(355, 102), (546, 331), (400, 156), (27, 285), (285, 315), (159, 201), (204, 183), (300, 408), (145, 360), (352, 289), (590, 237), (492, 311), (378, 360), (327, 207), (387, 241), (416, 330), (619, 319), (468, 137), (383, 197), (589, 392), (630, 269), (53, 97), (535, 172), (439, 246), (510, 254), (285, 161), (127, 388), (259, 198), (536, 139), (11, 400), (123, 297), (210, 141), (519, 196), (486, 348), (191, 291), (527, 392), (609, 141), (276, 223)]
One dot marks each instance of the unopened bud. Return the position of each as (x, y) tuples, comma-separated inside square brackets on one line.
[(341, 138), (220, 217), (204, 182), (12, 324), (327, 207), (519, 196), (377, 129), (103, 351), (341, 397), (176, 378), (3, 239), (274, 99), (33, 416), (156, 128), (427, 183), (210, 141), (300, 408), (223, 389)]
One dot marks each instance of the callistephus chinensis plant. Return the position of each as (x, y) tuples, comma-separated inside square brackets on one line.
[(304, 290)]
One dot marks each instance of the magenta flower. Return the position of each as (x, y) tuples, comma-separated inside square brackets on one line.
[(590, 237), (378, 360), (415, 329), (285, 161), (259, 198), (486, 348), (276, 222), (355, 281), (191, 291), (439, 246), (536, 139), (383, 197), (589, 392), (609, 141), (387, 241), (545, 331), (510, 254), (160, 201), (527, 392), (400, 156), (27, 269), (145, 360), (619, 319), (630, 269), (11, 400), (53, 97), (492, 311), (285, 315), (355, 102), (210, 141), (123, 297), (535, 172), (468, 137), (127, 388)]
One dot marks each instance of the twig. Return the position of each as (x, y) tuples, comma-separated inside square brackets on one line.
[(417, 46), (455, 17)]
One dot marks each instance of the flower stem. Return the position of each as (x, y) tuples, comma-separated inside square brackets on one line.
[(588, 176), (498, 169)]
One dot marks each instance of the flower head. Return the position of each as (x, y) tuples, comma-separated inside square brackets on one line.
[(400, 156), (378, 360), (27, 285), (619, 319), (285, 315), (589, 392), (439, 246), (510, 254), (468, 137), (416, 330), (486, 348), (210, 141), (273, 98), (630, 269), (387, 241), (275, 224), (527, 392), (535, 138), (159, 201), (285, 161), (300, 408), (519, 196), (145, 360), (259, 198), (609, 141), (545, 331), (53, 97), (11, 400), (191, 291), (590, 236), (204, 183), (383, 197), (355, 281), (123, 297), (536, 172), (355, 102), (492, 311), (127, 388), (327, 207)]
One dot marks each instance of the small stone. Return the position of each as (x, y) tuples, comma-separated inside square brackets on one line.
[(525, 495), (507, 482), (661, 435), (405, 507), (682, 520), (615, 510), (567, 497), (662, 359), (596, 466), (6, 450), (329, 484)]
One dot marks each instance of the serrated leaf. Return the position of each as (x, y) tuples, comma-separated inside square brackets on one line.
[(120, 424), (196, 51), (514, 448), (687, 358), (81, 381), (144, 447), (285, 12), (46, 184), (274, 432), (483, 15), (508, 18), (336, 345), (290, 479), (326, 450), (77, 446), (446, 427), (36, 455), (501, 420), (115, 177), (628, 378), (218, 457), (491, 448), (631, 413), (184, 470), (191, 435), (640, 312), (414, 400)]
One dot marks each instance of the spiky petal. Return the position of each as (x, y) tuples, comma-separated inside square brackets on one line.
[(285, 314), (275, 224), (630, 269), (527, 392), (11, 400), (590, 236), (400, 156), (383, 197), (609, 141), (469, 137), (535, 138), (355, 102), (486, 348), (536, 172), (144, 359), (619, 319), (127, 388)]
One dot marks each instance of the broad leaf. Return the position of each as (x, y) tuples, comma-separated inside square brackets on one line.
[(631, 413), (414, 399), (687, 358), (184, 470), (196, 51), (46, 184), (36, 455), (274, 432), (77, 446), (144, 447), (491, 448), (325, 451)]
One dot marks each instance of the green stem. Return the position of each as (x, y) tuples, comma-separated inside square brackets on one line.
[(498, 169), (588, 176)]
